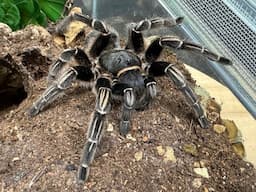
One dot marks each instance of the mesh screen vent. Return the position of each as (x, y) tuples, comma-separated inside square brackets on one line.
[(221, 22)]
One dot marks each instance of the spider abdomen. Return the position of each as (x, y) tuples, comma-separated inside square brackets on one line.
[(115, 60)]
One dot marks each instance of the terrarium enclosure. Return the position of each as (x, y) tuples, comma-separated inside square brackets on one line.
[(166, 148)]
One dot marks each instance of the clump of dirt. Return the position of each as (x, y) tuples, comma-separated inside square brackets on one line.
[(166, 150)]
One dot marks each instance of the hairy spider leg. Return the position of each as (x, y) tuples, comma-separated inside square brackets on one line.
[(67, 7), (78, 54), (127, 108), (93, 23), (150, 93), (99, 39), (57, 87), (154, 50), (135, 36), (163, 68), (128, 102), (150, 84), (103, 87)]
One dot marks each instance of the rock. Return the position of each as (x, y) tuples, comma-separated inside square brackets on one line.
[(177, 119), (74, 28), (145, 139), (197, 183), (169, 155), (138, 155), (5, 29), (202, 172), (15, 159), (198, 164), (110, 127), (160, 150), (129, 136), (69, 182)]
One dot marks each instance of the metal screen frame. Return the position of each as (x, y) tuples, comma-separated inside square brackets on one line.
[(229, 28)]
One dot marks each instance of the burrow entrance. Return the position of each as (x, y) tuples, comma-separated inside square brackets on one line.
[(12, 89)]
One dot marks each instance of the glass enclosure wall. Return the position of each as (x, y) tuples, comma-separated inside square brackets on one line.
[(227, 27)]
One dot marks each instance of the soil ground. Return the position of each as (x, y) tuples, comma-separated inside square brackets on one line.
[(43, 153)]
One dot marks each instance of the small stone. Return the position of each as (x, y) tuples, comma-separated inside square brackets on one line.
[(197, 183), (69, 182), (129, 136), (110, 127), (202, 172), (145, 139), (199, 164), (138, 155), (219, 128), (105, 155), (160, 150), (169, 155), (5, 29), (177, 119), (242, 169), (15, 159)]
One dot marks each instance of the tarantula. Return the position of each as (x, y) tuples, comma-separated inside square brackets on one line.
[(114, 73)]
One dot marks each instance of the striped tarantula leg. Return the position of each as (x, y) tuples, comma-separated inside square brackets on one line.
[(176, 43), (150, 84), (161, 68), (135, 36), (128, 98), (93, 23), (53, 91), (78, 54), (150, 93), (127, 108), (103, 87), (67, 7)]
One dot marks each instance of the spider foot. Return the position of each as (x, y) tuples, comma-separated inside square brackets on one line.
[(124, 128), (32, 111), (203, 121), (83, 174)]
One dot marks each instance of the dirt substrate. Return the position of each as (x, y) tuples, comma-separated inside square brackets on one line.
[(166, 151)]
